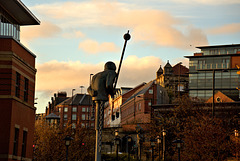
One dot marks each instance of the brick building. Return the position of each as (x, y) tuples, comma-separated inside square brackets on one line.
[(76, 110), (112, 112), (174, 79), (58, 98), (138, 107), (17, 83)]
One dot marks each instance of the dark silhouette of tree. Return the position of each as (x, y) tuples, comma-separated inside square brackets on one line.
[(49, 143)]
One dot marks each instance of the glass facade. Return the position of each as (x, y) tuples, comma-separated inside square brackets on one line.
[(201, 73), (209, 63), (220, 51)]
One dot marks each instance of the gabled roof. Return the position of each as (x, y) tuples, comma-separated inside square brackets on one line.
[(19, 12), (78, 99), (160, 70), (219, 97), (140, 91), (168, 65), (179, 68)]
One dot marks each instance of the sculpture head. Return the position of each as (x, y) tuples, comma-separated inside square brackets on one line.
[(110, 66)]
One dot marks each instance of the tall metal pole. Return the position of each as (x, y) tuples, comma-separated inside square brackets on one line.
[(66, 153), (152, 153), (72, 101), (164, 148), (127, 37), (89, 103), (98, 128), (213, 94)]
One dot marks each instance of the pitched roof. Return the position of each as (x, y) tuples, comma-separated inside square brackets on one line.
[(160, 70), (179, 68), (140, 91), (78, 99), (219, 97)]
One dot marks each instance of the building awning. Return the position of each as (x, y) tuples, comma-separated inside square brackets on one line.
[(19, 12)]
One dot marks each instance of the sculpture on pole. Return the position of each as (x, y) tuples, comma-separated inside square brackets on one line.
[(102, 85)]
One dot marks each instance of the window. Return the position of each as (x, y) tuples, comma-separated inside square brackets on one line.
[(74, 117), (17, 86), (83, 117), (65, 116), (24, 143), (65, 109), (92, 125), (15, 142), (83, 125), (150, 103), (83, 109), (150, 91), (74, 109), (139, 106), (26, 82), (74, 126), (117, 114), (59, 109)]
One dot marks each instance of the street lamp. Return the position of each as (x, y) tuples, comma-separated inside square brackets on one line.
[(117, 142), (164, 133), (152, 145), (129, 140), (139, 131), (236, 137), (213, 85), (159, 141), (68, 140), (178, 142)]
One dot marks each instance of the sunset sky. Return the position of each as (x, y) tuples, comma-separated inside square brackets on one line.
[(77, 37)]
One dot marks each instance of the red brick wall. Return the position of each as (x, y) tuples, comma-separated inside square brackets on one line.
[(15, 112), (8, 44)]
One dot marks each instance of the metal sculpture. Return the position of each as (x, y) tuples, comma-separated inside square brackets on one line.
[(102, 85)]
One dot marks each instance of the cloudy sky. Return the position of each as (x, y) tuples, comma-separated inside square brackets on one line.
[(77, 37)]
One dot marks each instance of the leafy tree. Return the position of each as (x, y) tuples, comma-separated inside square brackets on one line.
[(49, 143), (205, 138)]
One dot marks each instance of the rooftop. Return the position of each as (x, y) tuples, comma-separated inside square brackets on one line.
[(19, 12)]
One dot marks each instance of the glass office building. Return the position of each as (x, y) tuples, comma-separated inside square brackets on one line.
[(215, 63)]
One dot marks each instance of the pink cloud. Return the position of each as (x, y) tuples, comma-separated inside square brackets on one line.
[(93, 47), (45, 30), (226, 29), (149, 25)]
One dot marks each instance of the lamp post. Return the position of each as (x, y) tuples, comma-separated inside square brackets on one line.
[(178, 142), (117, 141), (164, 133), (179, 78), (89, 101), (236, 137), (152, 145), (159, 141), (139, 131), (68, 140), (129, 140), (213, 85)]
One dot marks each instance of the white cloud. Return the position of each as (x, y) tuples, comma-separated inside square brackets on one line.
[(226, 29), (149, 25), (57, 76), (73, 34), (45, 30), (93, 47)]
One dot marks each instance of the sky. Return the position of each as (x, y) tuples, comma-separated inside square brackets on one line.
[(77, 37)]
